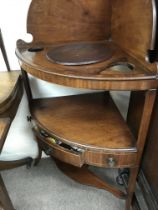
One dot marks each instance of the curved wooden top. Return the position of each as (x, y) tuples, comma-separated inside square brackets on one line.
[(87, 121), (95, 76), (129, 29)]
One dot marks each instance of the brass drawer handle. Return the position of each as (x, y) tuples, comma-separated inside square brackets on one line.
[(111, 162)]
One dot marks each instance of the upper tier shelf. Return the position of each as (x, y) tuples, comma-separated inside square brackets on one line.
[(63, 34), (94, 65)]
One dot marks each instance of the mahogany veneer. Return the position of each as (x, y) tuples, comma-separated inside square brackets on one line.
[(81, 122), (88, 129), (94, 76)]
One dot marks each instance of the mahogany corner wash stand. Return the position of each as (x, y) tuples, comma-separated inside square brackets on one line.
[(99, 45)]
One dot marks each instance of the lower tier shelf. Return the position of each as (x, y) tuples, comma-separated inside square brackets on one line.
[(84, 129)]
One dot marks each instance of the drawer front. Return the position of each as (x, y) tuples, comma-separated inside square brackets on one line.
[(110, 160), (62, 154), (66, 154)]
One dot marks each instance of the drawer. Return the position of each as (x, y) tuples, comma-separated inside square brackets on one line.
[(93, 157), (110, 160), (62, 153)]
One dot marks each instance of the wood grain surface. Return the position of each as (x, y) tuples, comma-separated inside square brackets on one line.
[(132, 23), (93, 76), (127, 31), (69, 20), (7, 84), (87, 120), (91, 121)]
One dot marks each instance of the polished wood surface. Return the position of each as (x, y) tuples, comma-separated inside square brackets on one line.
[(8, 82), (101, 159), (79, 53), (95, 20), (149, 159), (69, 20), (11, 105), (94, 76), (90, 154), (150, 155), (148, 178), (83, 120), (132, 31), (88, 129), (127, 35), (61, 153), (76, 156)]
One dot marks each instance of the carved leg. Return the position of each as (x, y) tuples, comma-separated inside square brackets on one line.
[(5, 202)]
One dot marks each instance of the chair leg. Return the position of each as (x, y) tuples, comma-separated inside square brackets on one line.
[(131, 187), (5, 202), (37, 160)]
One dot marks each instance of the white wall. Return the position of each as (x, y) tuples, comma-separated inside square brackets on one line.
[(13, 15)]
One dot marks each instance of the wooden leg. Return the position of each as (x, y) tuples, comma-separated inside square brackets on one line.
[(37, 160), (5, 202), (1, 206), (131, 186), (150, 96)]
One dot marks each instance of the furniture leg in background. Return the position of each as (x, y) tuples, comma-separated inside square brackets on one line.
[(10, 97)]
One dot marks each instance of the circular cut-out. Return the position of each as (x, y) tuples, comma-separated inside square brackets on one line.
[(122, 67), (79, 53)]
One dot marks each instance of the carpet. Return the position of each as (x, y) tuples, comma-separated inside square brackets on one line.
[(45, 187)]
